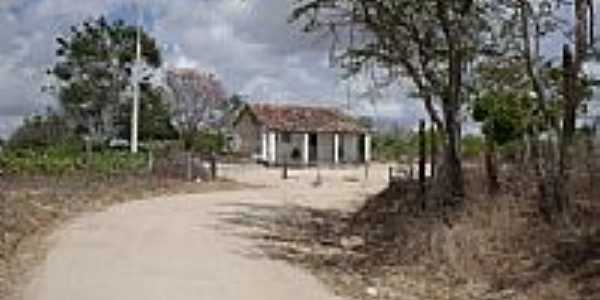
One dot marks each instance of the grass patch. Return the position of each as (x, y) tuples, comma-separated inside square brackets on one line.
[(491, 248)]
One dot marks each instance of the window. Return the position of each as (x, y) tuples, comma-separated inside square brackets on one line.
[(286, 137)]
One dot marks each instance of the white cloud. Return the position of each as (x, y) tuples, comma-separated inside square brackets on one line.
[(247, 43)]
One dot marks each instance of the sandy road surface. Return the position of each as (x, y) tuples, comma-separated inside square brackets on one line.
[(180, 247)]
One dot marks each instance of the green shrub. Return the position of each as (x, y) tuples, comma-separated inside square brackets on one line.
[(41, 132), (62, 160), (207, 142), (473, 146)]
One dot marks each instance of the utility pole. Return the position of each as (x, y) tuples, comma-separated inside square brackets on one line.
[(136, 85)]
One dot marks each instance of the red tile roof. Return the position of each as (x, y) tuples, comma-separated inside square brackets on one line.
[(305, 119)]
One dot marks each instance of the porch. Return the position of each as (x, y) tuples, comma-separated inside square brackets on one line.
[(307, 149)]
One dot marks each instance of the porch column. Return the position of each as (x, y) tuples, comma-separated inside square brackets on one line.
[(306, 153), (265, 147), (367, 148), (273, 147), (336, 148)]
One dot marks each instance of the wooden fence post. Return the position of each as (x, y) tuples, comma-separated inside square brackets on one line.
[(422, 159), (284, 175), (434, 150), (150, 161), (213, 166)]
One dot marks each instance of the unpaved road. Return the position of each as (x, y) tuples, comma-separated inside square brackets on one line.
[(182, 247)]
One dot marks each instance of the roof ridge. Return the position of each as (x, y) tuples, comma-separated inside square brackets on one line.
[(290, 117)]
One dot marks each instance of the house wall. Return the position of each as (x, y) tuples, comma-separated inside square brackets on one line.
[(325, 142), (284, 149), (325, 147), (251, 141), (249, 134), (350, 145)]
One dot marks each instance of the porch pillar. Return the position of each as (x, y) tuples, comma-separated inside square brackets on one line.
[(367, 148), (306, 151), (265, 147), (273, 147), (336, 148)]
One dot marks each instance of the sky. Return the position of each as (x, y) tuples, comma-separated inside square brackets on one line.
[(248, 44)]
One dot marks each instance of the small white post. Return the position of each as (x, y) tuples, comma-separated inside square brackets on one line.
[(265, 147), (273, 147), (367, 148), (336, 148), (305, 153)]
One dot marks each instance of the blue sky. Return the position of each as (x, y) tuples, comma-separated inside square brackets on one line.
[(247, 43)]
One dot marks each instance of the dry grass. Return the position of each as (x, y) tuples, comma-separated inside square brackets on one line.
[(491, 248), (31, 206)]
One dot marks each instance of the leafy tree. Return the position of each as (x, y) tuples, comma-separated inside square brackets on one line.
[(503, 115), (233, 105), (154, 117), (207, 142), (94, 68), (41, 132), (525, 23)]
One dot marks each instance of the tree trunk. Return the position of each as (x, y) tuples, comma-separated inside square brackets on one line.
[(491, 166), (451, 180), (433, 151), (572, 97), (568, 130)]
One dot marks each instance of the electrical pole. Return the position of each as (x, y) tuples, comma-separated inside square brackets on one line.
[(136, 86)]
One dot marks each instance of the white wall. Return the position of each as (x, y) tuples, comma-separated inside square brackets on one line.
[(286, 149), (350, 144), (325, 147), (325, 143)]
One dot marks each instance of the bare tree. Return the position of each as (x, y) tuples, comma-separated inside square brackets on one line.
[(573, 93), (431, 42), (525, 24), (198, 102)]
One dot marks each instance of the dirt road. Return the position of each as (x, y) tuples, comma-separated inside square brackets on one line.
[(183, 247)]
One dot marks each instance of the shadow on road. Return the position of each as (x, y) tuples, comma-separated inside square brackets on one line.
[(292, 233)]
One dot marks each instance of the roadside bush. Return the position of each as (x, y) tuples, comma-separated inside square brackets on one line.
[(208, 142), (389, 147), (60, 160), (473, 146), (41, 132)]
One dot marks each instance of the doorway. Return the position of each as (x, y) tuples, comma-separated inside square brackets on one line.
[(312, 148)]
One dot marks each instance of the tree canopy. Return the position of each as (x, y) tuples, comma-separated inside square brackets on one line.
[(94, 69), (198, 102)]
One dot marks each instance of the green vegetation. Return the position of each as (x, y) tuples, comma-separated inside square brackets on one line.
[(39, 132), (391, 147), (63, 160), (473, 146), (94, 67), (206, 142), (155, 123)]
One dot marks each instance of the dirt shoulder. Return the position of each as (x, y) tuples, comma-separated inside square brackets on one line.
[(33, 207)]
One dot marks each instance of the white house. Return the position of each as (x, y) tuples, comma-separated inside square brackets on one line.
[(301, 135)]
